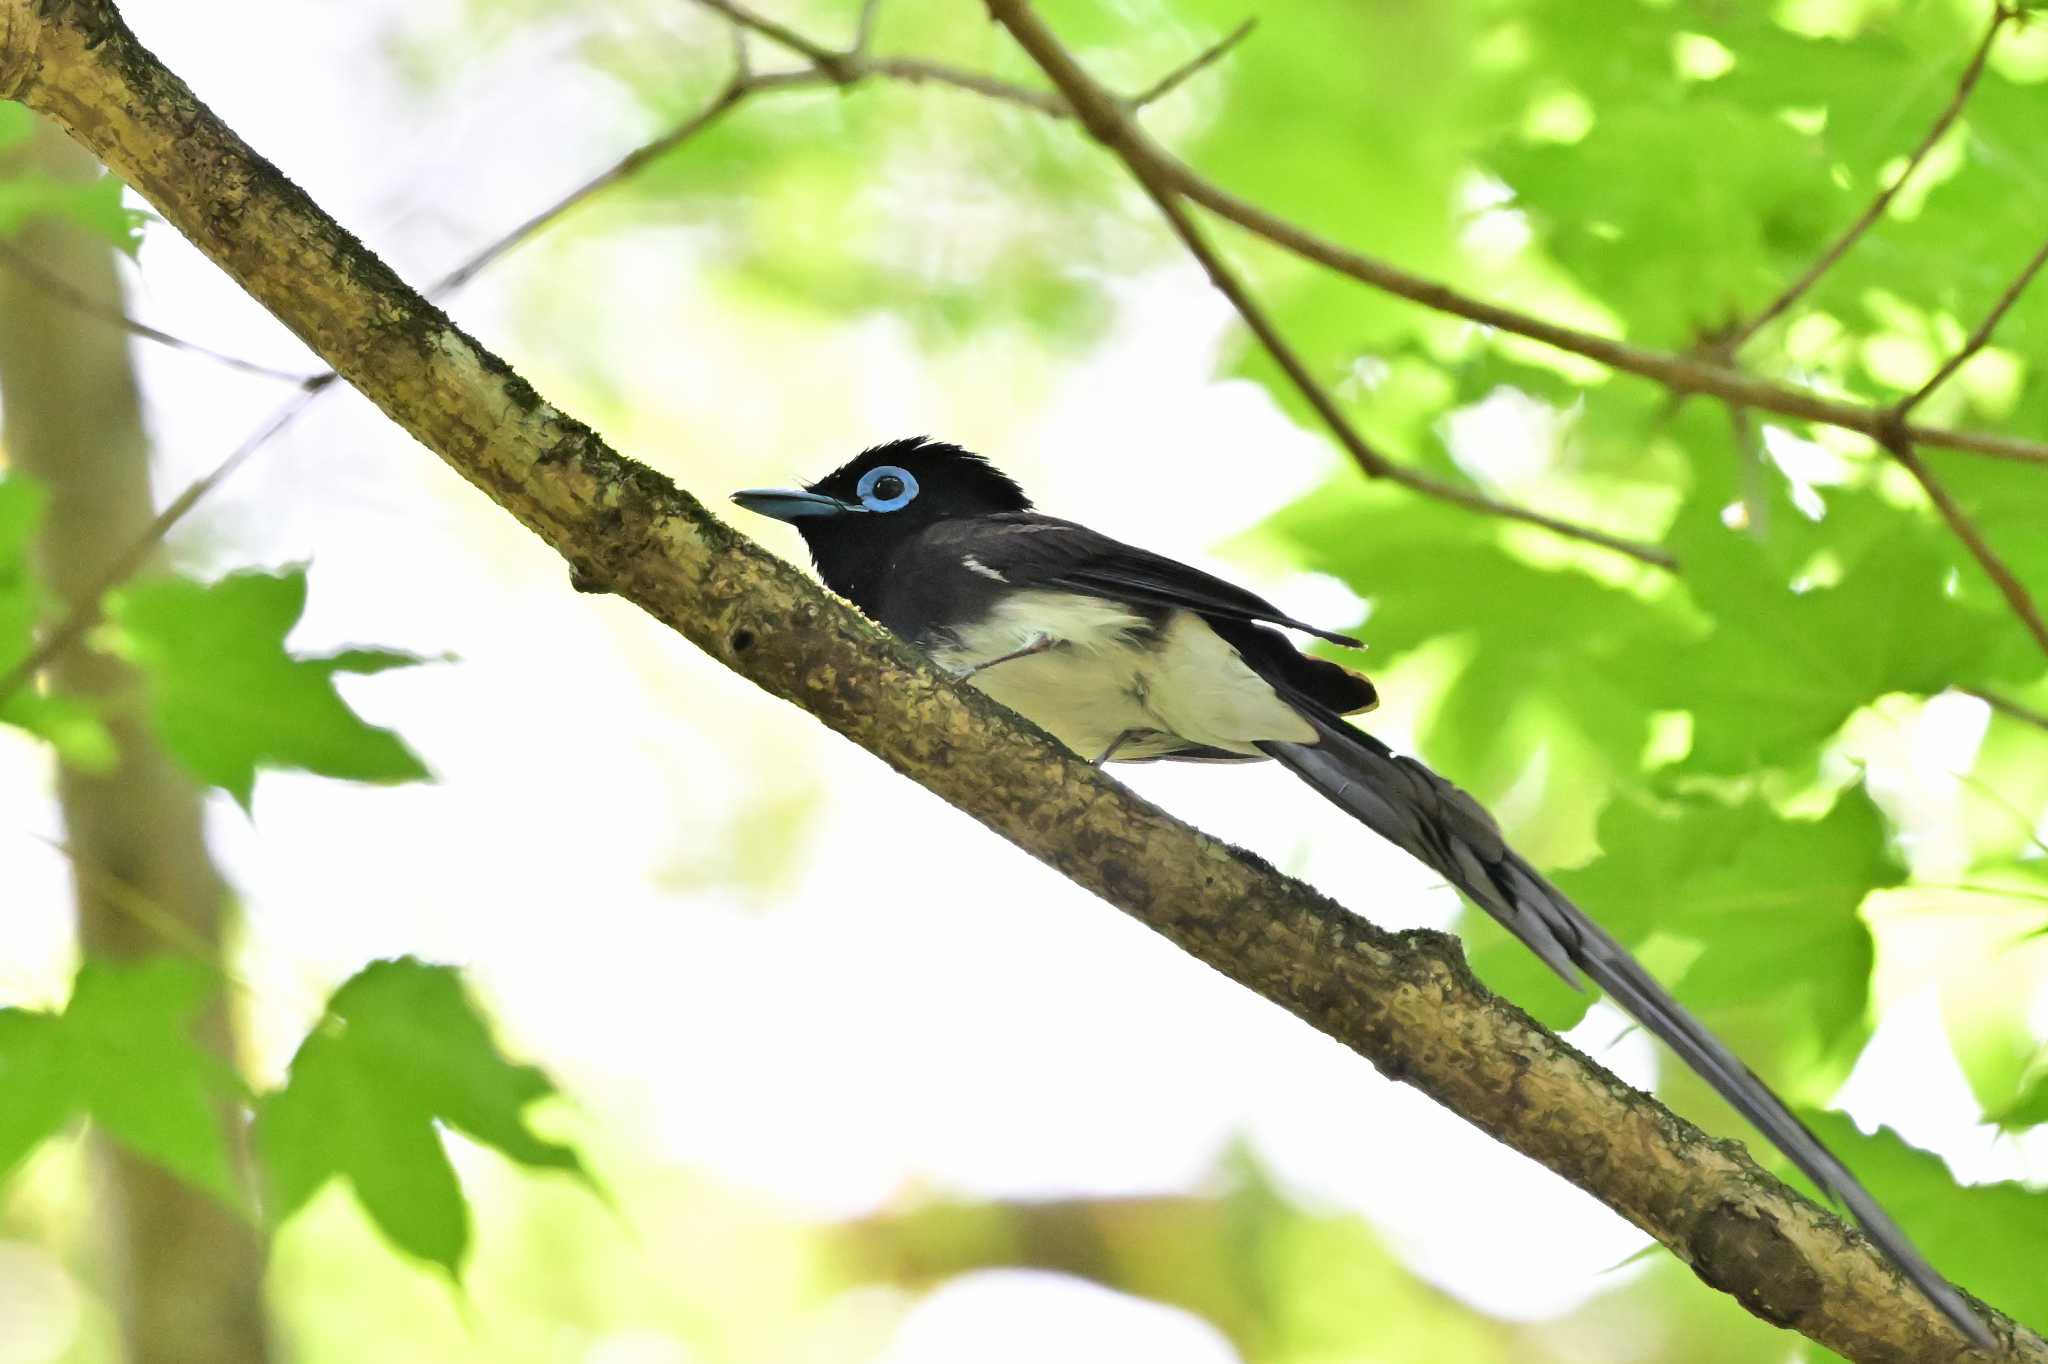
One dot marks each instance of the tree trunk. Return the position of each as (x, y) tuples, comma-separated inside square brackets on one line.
[(190, 1271)]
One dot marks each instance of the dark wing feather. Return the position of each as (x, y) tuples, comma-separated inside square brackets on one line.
[(1030, 550)]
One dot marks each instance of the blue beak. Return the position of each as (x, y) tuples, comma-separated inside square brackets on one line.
[(792, 504)]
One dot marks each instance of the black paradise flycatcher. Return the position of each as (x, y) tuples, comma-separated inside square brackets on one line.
[(1127, 655)]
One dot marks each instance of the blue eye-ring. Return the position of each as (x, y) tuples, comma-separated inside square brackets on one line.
[(886, 488)]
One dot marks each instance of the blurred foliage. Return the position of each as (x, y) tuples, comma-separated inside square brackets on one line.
[(1285, 1282), (1282, 1282), (1657, 172), (1687, 747), (95, 205)]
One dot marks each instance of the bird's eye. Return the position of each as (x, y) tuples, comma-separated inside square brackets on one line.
[(886, 488)]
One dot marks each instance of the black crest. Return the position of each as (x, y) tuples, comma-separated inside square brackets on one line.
[(892, 494), (952, 481)]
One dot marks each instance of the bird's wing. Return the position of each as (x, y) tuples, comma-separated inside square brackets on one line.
[(1441, 826), (1030, 550)]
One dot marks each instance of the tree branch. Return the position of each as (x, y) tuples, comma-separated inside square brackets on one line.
[(1951, 511), (84, 609), (2011, 709), (853, 66), (1979, 338), (2001, 15), (742, 86), (864, 27), (828, 60), (1116, 129), (1405, 1001), (1683, 374), (1194, 66), (81, 302), (85, 604)]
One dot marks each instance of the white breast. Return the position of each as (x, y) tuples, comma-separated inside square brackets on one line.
[(1109, 677)]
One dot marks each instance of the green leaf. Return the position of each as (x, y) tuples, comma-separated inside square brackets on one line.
[(1982, 941), (1782, 664), (1682, 251), (1740, 909), (401, 1051), (37, 1096), (138, 1072), (2008, 503), (1549, 650), (1378, 89), (1282, 1281), (16, 123), (2030, 1108), (121, 1054), (227, 696), (94, 205), (1772, 903), (69, 725)]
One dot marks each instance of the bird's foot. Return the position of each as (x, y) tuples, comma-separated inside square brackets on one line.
[(1038, 645), (1114, 744)]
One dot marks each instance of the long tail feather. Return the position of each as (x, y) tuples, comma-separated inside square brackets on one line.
[(1439, 825)]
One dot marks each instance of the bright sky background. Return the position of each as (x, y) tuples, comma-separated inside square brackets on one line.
[(915, 1002)]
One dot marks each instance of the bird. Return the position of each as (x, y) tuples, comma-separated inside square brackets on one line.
[(1129, 656)]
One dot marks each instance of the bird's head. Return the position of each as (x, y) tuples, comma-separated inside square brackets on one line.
[(856, 516)]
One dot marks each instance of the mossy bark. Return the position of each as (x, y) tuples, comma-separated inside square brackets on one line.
[(190, 1271)]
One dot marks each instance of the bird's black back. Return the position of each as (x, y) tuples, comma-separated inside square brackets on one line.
[(953, 573), (969, 537)]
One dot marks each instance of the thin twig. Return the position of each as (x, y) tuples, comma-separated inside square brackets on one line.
[(79, 301), (1682, 374), (816, 53), (1371, 461), (2010, 587), (1749, 445), (84, 612), (158, 918), (1104, 116), (151, 914), (1207, 57), (857, 65), (2006, 706), (2001, 15), (628, 165), (742, 58), (1679, 373), (1980, 337), (915, 71), (1990, 793)]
